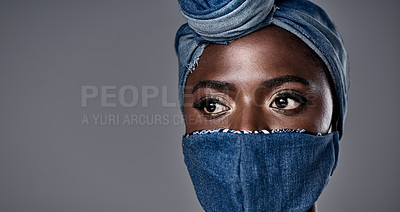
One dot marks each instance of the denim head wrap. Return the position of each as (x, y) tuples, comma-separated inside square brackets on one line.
[(221, 21)]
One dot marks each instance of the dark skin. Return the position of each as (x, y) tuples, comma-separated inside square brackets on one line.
[(265, 80)]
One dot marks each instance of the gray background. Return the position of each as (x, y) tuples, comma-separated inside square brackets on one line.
[(49, 161)]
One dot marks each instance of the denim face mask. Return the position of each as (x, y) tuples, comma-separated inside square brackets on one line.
[(275, 170)]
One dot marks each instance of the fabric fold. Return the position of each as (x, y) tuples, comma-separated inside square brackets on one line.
[(231, 21)]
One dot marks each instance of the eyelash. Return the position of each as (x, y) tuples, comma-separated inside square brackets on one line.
[(201, 104), (293, 95)]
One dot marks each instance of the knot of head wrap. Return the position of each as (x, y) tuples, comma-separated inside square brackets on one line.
[(220, 21), (223, 21)]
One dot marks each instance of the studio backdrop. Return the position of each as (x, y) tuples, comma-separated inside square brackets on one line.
[(90, 121)]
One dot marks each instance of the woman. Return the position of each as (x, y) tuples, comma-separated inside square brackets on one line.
[(263, 87)]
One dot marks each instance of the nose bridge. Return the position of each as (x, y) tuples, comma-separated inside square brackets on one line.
[(249, 116)]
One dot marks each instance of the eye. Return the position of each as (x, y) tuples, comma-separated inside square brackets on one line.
[(285, 103), (289, 101), (211, 107)]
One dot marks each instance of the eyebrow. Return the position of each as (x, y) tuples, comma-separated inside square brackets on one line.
[(214, 84), (275, 82)]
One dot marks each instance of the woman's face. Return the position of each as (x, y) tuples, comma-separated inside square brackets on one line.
[(266, 80)]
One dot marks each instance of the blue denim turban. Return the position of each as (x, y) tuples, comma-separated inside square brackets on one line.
[(221, 21)]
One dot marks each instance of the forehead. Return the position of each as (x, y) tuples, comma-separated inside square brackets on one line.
[(267, 53)]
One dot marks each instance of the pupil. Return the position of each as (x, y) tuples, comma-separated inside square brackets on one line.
[(281, 102), (210, 106)]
